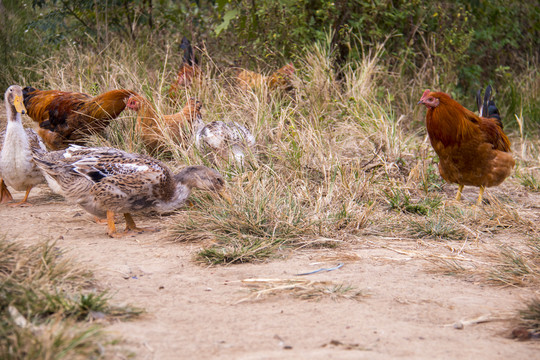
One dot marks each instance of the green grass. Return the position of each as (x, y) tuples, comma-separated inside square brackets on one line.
[(254, 227), (514, 268), (438, 227), (529, 180), (47, 304), (399, 200), (530, 316)]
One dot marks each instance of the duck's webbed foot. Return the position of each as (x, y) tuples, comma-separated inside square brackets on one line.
[(5, 195), (24, 201), (131, 227)]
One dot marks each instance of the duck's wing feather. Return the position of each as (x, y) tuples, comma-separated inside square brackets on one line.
[(98, 163), (36, 144)]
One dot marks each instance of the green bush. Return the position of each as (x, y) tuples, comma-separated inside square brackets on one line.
[(454, 46)]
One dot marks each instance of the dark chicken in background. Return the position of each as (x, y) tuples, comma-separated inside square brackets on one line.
[(189, 70)]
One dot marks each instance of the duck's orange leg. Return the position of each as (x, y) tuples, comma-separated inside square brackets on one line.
[(111, 228), (130, 225), (24, 202), (100, 221), (5, 195)]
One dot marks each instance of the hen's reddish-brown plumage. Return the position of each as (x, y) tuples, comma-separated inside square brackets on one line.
[(67, 117), (472, 150), (151, 126)]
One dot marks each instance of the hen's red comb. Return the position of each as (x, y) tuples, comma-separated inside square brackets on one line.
[(425, 94)]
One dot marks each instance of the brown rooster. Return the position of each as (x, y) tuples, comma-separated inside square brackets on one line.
[(151, 125), (189, 71), (472, 150), (67, 117), (279, 80)]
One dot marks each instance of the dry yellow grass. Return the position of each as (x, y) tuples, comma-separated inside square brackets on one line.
[(335, 160)]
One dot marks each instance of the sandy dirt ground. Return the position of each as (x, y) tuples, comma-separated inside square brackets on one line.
[(196, 312)]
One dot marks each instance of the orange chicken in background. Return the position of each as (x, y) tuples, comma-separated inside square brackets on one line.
[(67, 117), (278, 80), (151, 126), (473, 150)]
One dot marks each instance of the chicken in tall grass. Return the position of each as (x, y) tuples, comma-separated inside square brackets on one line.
[(189, 70), (155, 128), (68, 117), (219, 140), (281, 79)]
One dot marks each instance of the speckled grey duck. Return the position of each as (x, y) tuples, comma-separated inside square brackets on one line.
[(104, 181), (17, 168)]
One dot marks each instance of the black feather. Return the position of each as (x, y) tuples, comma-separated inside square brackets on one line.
[(189, 57), (487, 107), (487, 97), (46, 125), (28, 93), (479, 101), (96, 175)]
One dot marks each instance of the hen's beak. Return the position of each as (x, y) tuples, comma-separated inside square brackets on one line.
[(18, 103), (224, 193), (420, 102)]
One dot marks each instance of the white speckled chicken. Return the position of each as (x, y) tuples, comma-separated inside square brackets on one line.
[(220, 138), (17, 168), (104, 181)]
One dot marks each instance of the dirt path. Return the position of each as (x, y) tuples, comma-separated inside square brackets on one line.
[(193, 311)]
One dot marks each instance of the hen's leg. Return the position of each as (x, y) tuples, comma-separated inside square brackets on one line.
[(5, 195), (23, 202), (459, 190), (480, 194), (130, 225)]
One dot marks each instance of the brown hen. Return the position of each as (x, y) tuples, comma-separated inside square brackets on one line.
[(67, 117), (472, 150), (152, 126)]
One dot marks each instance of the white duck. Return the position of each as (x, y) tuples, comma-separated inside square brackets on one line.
[(17, 168), (104, 181)]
